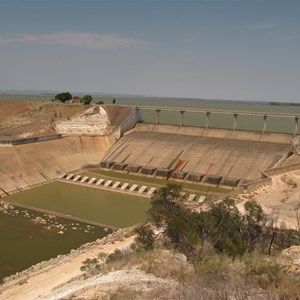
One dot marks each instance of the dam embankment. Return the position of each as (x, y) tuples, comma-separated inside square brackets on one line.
[(81, 139), (213, 156)]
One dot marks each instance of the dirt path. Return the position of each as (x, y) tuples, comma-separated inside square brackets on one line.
[(40, 283)]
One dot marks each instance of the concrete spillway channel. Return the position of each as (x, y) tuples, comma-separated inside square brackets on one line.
[(122, 187), (92, 180), (77, 177), (70, 176), (100, 181), (84, 179)]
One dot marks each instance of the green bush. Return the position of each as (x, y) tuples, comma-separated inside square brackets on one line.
[(90, 266), (115, 256), (222, 225), (63, 97), (145, 238), (87, 99)]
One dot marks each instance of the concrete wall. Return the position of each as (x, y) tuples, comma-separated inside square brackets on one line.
[(296, 145), (217, 133), (30, 140), (251, 186), (128, 124), (281, 170)]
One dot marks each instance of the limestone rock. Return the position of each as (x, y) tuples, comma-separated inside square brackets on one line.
[(291, 258), (93, 121)]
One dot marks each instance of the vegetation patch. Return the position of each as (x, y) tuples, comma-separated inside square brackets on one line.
[(217, 253)]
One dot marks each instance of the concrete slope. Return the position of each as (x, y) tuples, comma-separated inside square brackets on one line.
[(117, 114), (31, 164), (222, 157)]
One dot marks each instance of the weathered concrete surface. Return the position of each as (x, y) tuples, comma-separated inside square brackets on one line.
[(210, 152), (31, 164)]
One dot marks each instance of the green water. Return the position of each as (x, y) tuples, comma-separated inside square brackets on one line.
[(92, 204), (25, 243), (26, 98), (274, 124), (197, 119)]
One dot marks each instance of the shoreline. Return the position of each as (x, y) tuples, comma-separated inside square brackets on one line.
[(61, 270), (60, 215)]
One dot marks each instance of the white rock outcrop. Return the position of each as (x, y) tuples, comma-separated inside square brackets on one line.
[(93, 122)]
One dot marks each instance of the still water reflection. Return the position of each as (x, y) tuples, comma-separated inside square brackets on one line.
[(92, 204)]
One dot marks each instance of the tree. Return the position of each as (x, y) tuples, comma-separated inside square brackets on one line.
[(168, 213), (63, 97), (222, 225), (145, 237), (114, 101), (254, 219), (87, 99)]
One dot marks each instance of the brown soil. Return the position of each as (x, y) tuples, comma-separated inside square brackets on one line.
[(29, 119)]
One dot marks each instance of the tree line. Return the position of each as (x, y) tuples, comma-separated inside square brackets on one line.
[(86, 100), (221, 225)]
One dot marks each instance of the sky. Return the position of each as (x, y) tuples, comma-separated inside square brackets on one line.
[(226, 49)]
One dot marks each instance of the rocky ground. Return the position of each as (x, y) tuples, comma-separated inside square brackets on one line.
[(281, 200)]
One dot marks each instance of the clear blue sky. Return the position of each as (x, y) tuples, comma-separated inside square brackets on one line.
[(244, 50)]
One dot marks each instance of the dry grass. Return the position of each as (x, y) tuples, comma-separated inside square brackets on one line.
[(214, 276), (22, 119), (161, 263)]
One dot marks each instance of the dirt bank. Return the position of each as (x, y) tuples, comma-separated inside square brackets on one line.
[(29, 119), (281, 200)]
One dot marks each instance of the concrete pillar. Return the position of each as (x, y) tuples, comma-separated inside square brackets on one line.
[(157, 116), (296, 125), (235, 115), (139, 115), (207, 119), (265, 123), (181, 117)]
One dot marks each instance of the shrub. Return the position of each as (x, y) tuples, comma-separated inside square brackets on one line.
[(115, 256), (87, 99), (63, 97), (145, 238), (90, 267)]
